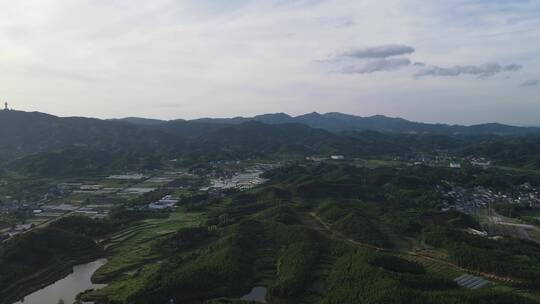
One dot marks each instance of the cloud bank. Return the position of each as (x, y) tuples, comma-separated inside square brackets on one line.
[(484, 70), (383, 51), (372, 59), (376, 65), (392, 57)]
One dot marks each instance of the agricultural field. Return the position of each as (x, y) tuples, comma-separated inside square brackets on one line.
[(131, 254), (530, 215), (131, 247), (434, 266)]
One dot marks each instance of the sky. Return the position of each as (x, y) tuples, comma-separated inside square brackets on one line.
[(459, 61)]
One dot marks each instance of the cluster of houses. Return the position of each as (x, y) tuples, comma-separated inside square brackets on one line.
[(17, 206), (443, 160), (526, 195), (473, 161), (470, 200), (224, 178), (240, 181), (97, 200), (42, 213), (464, 199)]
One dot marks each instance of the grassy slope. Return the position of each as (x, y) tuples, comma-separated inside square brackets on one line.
[(131, 257)]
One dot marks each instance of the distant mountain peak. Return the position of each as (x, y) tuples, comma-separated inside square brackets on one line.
[(338, 122), (312, 114), (282, 114)]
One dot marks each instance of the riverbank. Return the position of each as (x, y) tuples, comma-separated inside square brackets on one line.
[(41, 279), (68, 288)]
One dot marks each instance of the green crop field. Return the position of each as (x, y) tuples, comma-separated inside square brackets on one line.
[(125, 284), (131, 248), (435, 267)]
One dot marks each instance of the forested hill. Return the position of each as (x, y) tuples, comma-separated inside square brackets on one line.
[(254, 139), (46, 140), (24, 133), (519, 151), (231, 142), (337, 122)]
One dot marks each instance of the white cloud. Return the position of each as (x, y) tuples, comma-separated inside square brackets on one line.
[(383, 51), (376, 65), (244, 57)]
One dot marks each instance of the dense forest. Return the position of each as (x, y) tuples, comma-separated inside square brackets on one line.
[(315, 232), (36, 143), (333, 234)]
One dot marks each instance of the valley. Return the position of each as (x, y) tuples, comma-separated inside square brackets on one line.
[(270, 152), (245, 214)]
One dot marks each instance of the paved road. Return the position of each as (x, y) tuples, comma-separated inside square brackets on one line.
[(497, 219), (45, 224)]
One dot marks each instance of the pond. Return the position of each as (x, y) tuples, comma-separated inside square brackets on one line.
[(257, 294), (67, 288)]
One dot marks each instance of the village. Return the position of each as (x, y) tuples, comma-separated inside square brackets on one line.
[(471, 200), (96, 198)]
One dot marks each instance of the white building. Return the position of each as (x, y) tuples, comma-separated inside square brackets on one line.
[(167, 202), (455, 165)]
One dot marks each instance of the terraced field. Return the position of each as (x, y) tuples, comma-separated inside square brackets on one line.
[(266, 268), (434, 266), (131, 248), (124, 285)]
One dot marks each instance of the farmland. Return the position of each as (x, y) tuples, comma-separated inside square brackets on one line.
[(131, 253)]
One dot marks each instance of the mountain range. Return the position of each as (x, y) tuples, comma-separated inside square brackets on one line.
[(23, 133), (338, 122), (39, 142)]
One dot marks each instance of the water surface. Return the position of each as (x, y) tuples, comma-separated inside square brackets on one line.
[(257, 294), (67, 288)]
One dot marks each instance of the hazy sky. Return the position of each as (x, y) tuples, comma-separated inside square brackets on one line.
[(459, 61)]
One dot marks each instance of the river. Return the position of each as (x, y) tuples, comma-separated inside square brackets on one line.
[(67, 288), (257, 294)]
